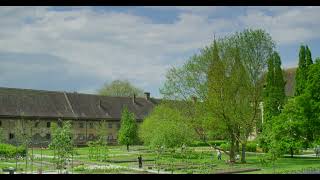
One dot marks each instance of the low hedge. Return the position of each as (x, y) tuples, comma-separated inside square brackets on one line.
[(250, 147), (201, 143), (10, 151)]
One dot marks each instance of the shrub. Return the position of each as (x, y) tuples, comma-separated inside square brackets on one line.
[(79, 168), (201, 143), (251, 147), (225, 146), (10, 151)]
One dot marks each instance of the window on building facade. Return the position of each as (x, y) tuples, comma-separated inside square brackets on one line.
[(11, 136), (48, 124), (59, 123), (36, 124), (48, 136), (81, 125), (110, 125), (110, 137), (81, 137), (91, 137), (91, 125), (0, 123)]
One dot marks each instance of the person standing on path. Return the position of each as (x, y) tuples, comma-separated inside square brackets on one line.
[(219, 155), (140, 161)]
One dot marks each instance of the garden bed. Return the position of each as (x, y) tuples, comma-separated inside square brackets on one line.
[(237, 171)]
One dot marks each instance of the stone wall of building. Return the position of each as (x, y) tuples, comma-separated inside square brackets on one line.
[(83, 130)]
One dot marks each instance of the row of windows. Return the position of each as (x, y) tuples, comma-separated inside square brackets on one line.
[(81, 125), (36, 124), (11, 136), (80, 136), (91, 125)]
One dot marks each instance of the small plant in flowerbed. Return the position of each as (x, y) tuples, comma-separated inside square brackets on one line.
[(105, 170), (79, 168), (310, 170), (98, 151)]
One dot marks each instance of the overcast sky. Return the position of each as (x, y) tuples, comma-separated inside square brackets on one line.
[(80, 48)]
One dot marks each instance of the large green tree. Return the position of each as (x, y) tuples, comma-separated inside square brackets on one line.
[(120, 88), (228, 97), (128, 133), (285, 131), (252, 48), (310, 101), (236, 95)]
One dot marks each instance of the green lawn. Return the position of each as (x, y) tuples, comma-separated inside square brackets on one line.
[(199, 160)]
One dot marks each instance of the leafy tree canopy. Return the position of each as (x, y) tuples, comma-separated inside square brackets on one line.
[(166, 127), (120, 88), (128, 133)]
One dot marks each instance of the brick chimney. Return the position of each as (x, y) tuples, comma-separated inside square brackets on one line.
[(147, 96)]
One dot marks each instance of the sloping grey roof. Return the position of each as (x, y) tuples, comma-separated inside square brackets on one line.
[(52, 104)]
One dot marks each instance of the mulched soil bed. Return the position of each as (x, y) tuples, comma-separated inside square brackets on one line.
[(237, 171)]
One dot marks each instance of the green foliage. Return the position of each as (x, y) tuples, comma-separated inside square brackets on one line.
[(128, 133), (274, 92), (251, 147), (310, 102), (62, 143), (10, 151), (120, 88), (301, 72), (308, 57), (286, 133), (98, 151), (23, 129), (166, 127), (225, 146), (235, 82), (2, 139), (305, 61), (208, 143), (102, 132), (79, 168)]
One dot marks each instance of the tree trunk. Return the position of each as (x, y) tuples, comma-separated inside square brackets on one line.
[(127, 147), (237, 150), (232, 149), (243, 155), (291, 152)]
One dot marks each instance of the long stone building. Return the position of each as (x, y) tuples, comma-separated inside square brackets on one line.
[(39, 109)]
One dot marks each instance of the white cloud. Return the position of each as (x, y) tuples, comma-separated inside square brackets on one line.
[(286, 25), (111, 45)]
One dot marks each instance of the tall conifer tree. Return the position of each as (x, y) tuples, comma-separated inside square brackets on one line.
[(301, 72), (308, 57), (274, 93)]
